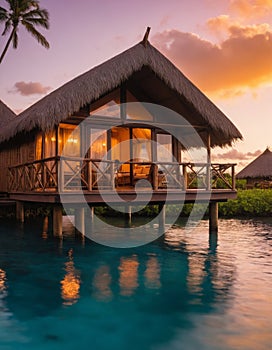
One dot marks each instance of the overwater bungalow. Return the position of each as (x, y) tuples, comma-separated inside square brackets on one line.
[(258, 173), (110, 128)]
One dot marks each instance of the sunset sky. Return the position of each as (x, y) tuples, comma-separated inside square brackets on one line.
[(224, 47)]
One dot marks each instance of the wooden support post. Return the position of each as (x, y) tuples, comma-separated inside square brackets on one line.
[(57, 220), (213, 217), (155, 175), (128, 215), (161, 218), (80, 220), (20, 213), (185, 179), (233, 177), (208, 173)]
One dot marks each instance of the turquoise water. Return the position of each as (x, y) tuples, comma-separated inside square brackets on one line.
[(184, 291)]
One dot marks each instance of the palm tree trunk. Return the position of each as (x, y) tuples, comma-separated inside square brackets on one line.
[(7, 45)]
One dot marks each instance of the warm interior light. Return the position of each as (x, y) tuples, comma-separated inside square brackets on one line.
[(72, 140), (53, 139)]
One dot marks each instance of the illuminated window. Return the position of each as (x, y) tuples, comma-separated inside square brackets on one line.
[(69, 140), (39, 146), (50, 144), (164, 148), (98, 142), (107, 106), (120, 144), (136, 110)]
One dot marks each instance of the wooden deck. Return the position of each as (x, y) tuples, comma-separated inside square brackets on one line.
[(57, 180), (100, 197)]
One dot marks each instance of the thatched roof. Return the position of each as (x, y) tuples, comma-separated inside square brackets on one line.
[(6, 114), (68, 99), (261, 167)]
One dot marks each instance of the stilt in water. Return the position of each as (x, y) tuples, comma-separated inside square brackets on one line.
[(80, 220), (161, 218), (213, 217), (20, 213), (57, 220), (128, 215)]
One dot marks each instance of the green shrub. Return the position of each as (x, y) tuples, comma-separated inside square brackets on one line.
[(255, 202)]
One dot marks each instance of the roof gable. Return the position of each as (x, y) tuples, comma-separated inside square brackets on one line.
[(259, 167), (89, 86), (6, 114)]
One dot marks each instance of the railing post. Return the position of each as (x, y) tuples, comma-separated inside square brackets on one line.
[(155, 176), (90, 176), (208, 176), (60, 176), (233, 179), (112, 171), (184, 172), (208, 172)]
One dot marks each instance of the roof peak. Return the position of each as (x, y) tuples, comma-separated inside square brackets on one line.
[(145, 38)]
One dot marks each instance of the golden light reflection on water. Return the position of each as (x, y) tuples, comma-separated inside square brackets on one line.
[(101, 283), (70, 285), (196, 273), (152, 273), (45, 228), (3, 279), (128, 278)]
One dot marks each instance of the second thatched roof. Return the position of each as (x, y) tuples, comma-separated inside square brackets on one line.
[(261, 167), (68, 99), (6, 114)]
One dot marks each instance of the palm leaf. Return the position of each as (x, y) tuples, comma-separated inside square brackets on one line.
[(37, 35), (8, 25)]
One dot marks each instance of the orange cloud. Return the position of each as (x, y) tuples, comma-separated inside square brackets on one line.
[(31, 88), (251, 8), (241, 60), (235, 155)]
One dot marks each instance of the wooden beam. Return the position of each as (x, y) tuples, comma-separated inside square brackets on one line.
[(80, 220), (213, 217), (20, 213), (57, 220), (145, 39)]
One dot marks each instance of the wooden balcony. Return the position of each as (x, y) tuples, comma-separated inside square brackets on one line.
[(44, 180)]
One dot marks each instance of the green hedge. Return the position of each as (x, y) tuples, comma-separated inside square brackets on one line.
[(256, 202), (249, 203)]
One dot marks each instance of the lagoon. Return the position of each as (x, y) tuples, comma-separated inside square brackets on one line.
[(187, 290)]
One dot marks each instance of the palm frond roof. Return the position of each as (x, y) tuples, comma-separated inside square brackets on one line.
[(163, 76), (261, 167)]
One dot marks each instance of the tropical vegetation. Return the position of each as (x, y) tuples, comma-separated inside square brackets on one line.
[(26, 13)]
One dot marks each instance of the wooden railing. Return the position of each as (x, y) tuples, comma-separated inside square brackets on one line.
[(74, 173), (39, 175)]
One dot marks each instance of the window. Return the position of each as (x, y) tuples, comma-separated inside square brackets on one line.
[(98, 143), (39, 146), (141, 140), (120, 144), (50, 144), (69, 140), (107, 106), (164, 148), (136, 110)]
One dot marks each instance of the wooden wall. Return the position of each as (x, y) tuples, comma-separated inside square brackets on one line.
[(17, 151)]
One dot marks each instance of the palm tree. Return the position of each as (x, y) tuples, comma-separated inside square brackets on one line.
[(30, 15)]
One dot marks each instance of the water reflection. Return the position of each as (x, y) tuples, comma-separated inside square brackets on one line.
[(70, 285), (128, 275), (186, 286), (152, 273), (2, 282), (45, 227), (102, 284)]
